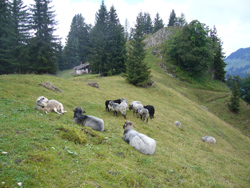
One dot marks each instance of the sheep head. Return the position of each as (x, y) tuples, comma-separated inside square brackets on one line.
[(128, 125)]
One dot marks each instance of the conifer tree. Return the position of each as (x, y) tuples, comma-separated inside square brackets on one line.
[(20, 36), (77, 44), (98, 37), (234, 104), (6, 32), (158, 23), (44, 45), (218, 65), (137, 71), (172, 18)]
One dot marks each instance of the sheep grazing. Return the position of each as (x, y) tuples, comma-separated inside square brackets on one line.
[(209, 139), (43, 104), (87, 121), (178, 124), (151, 110), (124, 103), (139, 141), (143, 113), (107, 103), (131, 104), (118, 108), (134, 106)]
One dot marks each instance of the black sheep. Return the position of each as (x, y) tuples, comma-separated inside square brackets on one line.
[(116, 101), (151, 110)]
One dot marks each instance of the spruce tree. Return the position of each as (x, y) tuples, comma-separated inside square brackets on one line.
[(116, 44), (98, 38), (172, 18), (77, 44), (44, 45), (6, 33), (218, 65), (137, 71), (158, 23), (20, 36), (234, 104)]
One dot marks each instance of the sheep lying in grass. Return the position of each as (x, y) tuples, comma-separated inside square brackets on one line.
[(45, 105), (38, 101), (209, 139), (139, 141), (178, 124), (143, 113), (151, 110), (118, 107), (87, 121), (107, 103)]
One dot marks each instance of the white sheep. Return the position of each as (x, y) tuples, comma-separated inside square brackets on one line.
[(143, 113), (135, 106), (118, 108), (209, 139), (133, 102), (139, 141), (46, 106), (41, 98), (178, 124)]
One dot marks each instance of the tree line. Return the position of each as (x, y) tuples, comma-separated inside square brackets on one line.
[(28, 43)]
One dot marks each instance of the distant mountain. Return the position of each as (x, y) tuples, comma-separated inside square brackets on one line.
[(238, 63)]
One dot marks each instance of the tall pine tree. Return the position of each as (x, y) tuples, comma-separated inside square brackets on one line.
[(20, 37), (158, 23), (98, 38), (6, 33), (137, 71), (172, 18), (44, 44), (218, 65)]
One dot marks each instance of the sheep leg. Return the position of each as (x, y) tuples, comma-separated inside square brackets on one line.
[(55, 110), (147, 120)]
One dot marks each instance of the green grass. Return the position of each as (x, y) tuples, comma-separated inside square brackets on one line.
[(52, 151)]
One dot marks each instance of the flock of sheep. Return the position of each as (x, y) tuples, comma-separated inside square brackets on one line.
[(139, 141)]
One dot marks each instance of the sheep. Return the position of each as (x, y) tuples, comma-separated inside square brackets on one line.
[(87, 121), (151, 110), (49, 105), (107, 103), (118, 108), (178, 124), (133, 102), (41, 98), (135, 106), (124, 103), (139, 141), (209, 139), (143, 112)]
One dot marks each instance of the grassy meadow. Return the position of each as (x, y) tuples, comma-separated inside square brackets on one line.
[(50, 150)]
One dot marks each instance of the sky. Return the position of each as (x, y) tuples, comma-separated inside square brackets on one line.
[(230, 17)]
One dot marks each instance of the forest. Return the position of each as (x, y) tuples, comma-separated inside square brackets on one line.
[(28, 44)]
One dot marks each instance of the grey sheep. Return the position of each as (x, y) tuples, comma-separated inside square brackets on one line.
[(118, 108), (143, 113), (135, 106), (139, 141), (209, 139), (178, 124), (87, 121), (43, 104)]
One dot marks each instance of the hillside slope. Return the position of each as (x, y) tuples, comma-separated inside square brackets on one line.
[(45, 151), (238, 63)]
